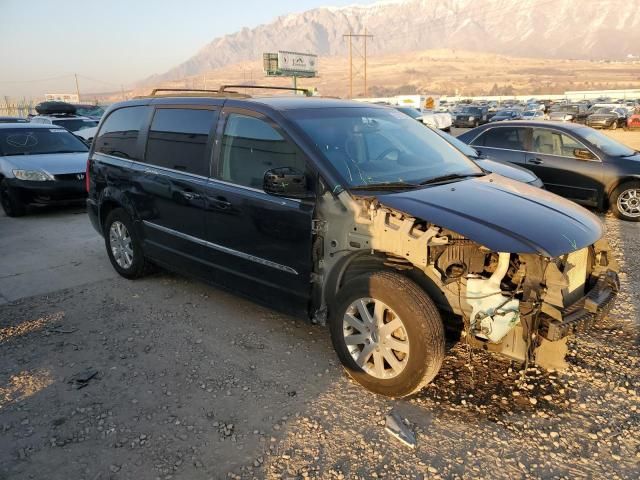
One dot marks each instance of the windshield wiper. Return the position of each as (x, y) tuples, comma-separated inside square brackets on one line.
[(451, 176), (384, 185)]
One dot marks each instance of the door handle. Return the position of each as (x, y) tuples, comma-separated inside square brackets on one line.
[(190, 195), (535, 161), (221, 202)]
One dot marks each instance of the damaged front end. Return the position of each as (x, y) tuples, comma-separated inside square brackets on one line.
[(521, 305)]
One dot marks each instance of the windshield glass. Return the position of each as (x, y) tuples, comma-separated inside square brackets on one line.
[(459, 144), (412, 112), (380, 145), (606, 144), (90, 111), (34, 141), (75, 124), (471, 110), (603, 110)]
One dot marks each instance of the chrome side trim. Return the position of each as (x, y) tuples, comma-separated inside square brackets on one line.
[(221, 248)]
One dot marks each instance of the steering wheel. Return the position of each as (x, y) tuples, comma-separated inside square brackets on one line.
[(386, 152)]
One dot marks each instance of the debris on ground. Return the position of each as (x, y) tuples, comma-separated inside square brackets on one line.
[(82, 379), (398, 429)]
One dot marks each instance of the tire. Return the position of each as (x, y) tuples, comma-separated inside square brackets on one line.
[(614, 125), (133, 264), (11, 204), (476, 124), (625, 201), (421, 334)]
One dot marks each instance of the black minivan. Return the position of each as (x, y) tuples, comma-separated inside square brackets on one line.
[(350, 215)]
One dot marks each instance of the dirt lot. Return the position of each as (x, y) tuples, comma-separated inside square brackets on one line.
[(192, 382)]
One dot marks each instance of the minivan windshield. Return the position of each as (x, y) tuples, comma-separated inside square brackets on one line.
[(374, 146), (36, 141)]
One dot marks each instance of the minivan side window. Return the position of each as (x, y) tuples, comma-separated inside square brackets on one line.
[(178, 139), (502, 137), (250, 147), (119, 134)]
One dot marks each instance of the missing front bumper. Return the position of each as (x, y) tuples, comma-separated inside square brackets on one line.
[(585, 312)]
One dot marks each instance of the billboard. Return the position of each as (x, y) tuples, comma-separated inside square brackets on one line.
[(297, 62)]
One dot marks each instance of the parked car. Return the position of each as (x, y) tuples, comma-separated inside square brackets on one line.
[(574, 161), (39, 164), (533, 115), (571, 112), (607, 117), (352, 215), (507, 114), (470, 116), (13, 120), (633, 121), (62, 114), (87, 134)]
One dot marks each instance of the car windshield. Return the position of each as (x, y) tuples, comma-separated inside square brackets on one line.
[(35, 141), (412, 112), (603, 110), (529, 114), (459, 144), (75, 124), (471, 110), (605, 143), (90, 111), (381, 146)]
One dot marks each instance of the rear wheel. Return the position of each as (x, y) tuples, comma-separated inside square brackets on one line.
[(387, 333), (625, 201), (11, 204), (124, 246)]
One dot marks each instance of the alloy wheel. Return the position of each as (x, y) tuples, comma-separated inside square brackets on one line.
[(376, 338), (629, 202), (120, 243)]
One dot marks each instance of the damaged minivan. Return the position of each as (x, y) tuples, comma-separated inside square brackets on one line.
[(349, 215)]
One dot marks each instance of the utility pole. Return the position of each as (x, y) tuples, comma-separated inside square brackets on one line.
[(364, 38), (77, 86)]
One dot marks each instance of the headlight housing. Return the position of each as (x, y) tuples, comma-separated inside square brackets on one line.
[(471, 119), (32, 175)]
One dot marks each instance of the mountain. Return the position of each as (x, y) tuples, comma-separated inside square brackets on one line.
[(577, 29)]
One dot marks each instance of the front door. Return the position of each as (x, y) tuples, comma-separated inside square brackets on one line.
[(566, 166), (262, 240)]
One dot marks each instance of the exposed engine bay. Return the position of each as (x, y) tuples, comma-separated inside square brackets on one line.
[(520, 305)]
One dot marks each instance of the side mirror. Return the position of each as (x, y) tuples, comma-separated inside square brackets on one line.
[(583, 154), (286, 182)]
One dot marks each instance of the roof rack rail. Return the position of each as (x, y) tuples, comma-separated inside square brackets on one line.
[(305, 91), (156, 90)]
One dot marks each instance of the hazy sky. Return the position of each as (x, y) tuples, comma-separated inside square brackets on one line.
[(113, 42)]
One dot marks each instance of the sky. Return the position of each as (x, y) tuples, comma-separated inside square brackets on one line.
[(114, 43)]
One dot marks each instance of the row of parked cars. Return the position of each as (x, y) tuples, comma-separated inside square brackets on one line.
[(343, 213)]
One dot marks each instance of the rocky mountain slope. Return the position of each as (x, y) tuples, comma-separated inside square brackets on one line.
[(581, 29)]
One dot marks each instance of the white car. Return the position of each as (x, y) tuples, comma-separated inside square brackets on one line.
[(439, 120), (87, 134), (73, 123)]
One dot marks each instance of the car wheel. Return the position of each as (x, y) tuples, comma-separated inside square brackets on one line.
[(387, 333), (614, 125), (476, 123), (11, 204), (625, 201), (123, 245)]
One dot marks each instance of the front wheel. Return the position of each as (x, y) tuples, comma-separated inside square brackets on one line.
[(124, 246), (11, 204), (614, 125), (387, 333), (625, 201)]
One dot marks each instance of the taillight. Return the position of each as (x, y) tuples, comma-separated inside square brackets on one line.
[(86, 177)]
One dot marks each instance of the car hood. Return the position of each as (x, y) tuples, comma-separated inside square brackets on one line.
[(510, 171), (53, 163), (501, 214)]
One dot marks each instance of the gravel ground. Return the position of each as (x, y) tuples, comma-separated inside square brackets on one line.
[(192, 382)]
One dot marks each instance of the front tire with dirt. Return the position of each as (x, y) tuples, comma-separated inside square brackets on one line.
[(387, 333)]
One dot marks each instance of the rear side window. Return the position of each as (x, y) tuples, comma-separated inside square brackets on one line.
[(119, 134), (178, 139), (504, 137), (250, 147)]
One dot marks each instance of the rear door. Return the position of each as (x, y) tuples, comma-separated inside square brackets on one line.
[(505, 144), (552, 157), (170, 184), (262, 241)]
